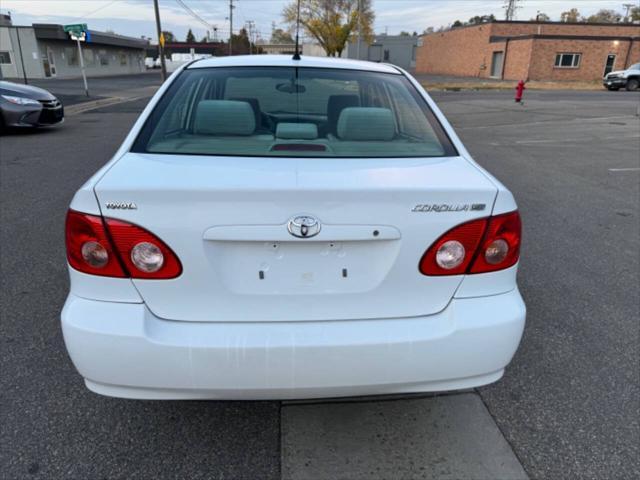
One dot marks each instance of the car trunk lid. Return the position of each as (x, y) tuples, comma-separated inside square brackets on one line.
[(227, 220)]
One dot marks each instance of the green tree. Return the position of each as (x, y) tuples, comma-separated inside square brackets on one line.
[(541, 17), (333, 22), (404, 34), (571, 16), (169, 37), (605, 16), (457, 23), (635, 14), (191, 38), (281, 36)]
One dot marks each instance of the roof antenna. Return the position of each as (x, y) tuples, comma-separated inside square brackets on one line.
[(296, 55)]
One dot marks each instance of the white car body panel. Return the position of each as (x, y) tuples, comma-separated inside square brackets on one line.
[(219, 330), (276, 360)]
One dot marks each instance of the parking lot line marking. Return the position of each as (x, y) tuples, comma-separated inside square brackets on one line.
[(634, 169)]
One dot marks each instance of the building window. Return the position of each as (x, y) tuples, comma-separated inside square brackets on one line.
[(104, 58), (72, 56), (123, 58), (5, 58), (568, 60), (413, 53), (386, 55), (88, 57)]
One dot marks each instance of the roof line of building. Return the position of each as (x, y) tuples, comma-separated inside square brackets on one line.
[(533, 22), (511, 38)]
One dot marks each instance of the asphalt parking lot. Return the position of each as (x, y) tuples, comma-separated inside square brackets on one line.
[(568, 406)]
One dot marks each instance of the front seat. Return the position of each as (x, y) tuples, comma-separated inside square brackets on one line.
[(260, 119)]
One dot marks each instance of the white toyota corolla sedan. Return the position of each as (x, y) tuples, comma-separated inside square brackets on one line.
[(274, 228)]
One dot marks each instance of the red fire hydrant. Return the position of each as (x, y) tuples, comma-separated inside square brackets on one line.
[(520, 88)]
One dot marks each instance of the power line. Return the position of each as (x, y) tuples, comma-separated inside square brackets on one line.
[(87, 15), (188, 9)]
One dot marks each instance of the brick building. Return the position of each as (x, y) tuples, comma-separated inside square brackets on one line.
[(530, 50)]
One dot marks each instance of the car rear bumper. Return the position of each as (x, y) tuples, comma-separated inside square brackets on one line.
[(123, 350)]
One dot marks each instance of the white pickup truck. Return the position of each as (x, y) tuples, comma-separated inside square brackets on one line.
[(629, 78)]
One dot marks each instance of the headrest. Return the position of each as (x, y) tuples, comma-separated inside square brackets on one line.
[(224, 117), (297, 131), (366, 123), (255, 105), (335, 105)]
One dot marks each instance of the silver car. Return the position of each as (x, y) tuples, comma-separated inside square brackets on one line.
[(27, 106)]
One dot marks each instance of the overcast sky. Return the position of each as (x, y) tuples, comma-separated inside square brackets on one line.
[(136, 17)]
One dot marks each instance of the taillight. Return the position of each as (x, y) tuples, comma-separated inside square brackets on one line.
[(478, 246), (88, 247), (144, 255), (114, 248), (500, 246)]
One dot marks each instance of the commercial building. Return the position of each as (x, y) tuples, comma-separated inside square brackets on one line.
[(530, 50), (45, 50), (399, 50)]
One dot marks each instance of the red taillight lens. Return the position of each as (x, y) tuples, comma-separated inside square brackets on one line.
[(88, 247), (114, 248), (143, 254), (479, 246), (468, 235), (500, 246)]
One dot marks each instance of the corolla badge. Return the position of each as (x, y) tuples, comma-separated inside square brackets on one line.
[(304, 226)]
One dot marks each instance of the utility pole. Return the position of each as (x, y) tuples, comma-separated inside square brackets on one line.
[(359, 29), (231, 7), (627, 6), (24, 72), (510, 7), (249, 25), (163, 65)]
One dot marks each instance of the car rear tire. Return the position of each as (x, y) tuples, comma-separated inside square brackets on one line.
[(633, 84)]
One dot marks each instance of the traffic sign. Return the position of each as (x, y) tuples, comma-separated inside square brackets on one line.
[(76, 28)]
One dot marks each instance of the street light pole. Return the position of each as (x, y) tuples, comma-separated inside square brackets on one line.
[(163, 65)]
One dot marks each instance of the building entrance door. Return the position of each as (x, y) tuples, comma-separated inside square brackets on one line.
[(496, 64), (608, 67), (52, 62)]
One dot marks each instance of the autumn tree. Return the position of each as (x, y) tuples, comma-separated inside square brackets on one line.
[(169, 37), (570, 16), (333, 22)]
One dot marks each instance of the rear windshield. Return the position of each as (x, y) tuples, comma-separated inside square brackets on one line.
[(283, 111)]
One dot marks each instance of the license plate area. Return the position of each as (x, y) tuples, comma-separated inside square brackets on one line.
[(301, 268)]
